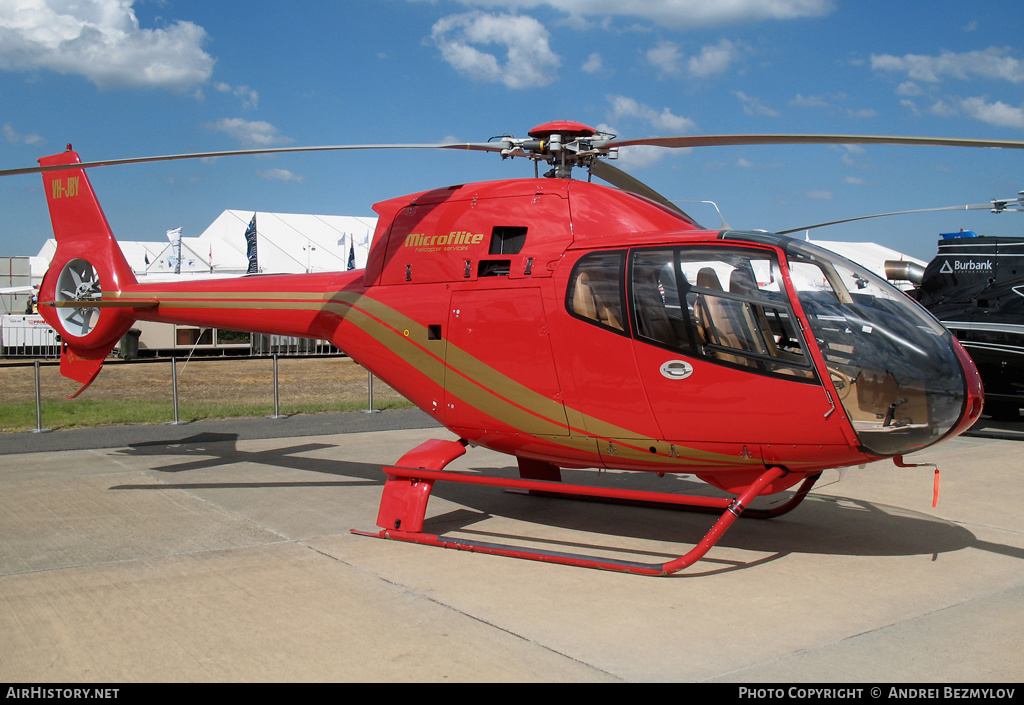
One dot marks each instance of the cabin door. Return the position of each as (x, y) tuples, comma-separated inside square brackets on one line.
[(499, 368)]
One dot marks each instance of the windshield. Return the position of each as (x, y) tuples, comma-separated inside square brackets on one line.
[(893, 364)]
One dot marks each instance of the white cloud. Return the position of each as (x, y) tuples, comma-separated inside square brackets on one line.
[(847, 150), (593, 64), (528, 61), (713, 60), (281, 175), (991, 63), (818, 195), (663, 120), (810, 101), (250, 133), (642, 156), (250, 98), (909, 88), (677, 14), (639, 157), (754, 106), (666, 57), (831, 102), (862, 113), (998, 113), (942, 109), (15, 137), (102, 41), (910, 105)]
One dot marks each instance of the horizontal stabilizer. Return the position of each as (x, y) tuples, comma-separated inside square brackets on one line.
[(81, 366)]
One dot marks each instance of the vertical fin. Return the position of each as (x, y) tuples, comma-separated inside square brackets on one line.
[(87, 267), (79, 225)]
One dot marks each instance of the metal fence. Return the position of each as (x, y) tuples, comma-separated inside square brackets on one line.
[(261, 344), (174, 368), (29, 336)]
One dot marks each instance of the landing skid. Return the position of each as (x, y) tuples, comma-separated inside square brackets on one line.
[(409, 483)]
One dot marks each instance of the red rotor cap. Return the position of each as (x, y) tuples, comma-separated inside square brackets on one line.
[(566, 128)]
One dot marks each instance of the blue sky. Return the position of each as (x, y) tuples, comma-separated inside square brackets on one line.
[(118, 78)]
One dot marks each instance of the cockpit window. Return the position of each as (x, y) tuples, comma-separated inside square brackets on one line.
[(595, 289), (725, 304), (889, 358)]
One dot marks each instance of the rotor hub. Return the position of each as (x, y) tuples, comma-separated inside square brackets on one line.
[(563, 144)]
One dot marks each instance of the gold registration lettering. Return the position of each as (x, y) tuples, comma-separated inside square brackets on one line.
[(65, 188)]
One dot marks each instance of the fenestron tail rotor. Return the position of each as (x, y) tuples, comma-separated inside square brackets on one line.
[(78, 286)]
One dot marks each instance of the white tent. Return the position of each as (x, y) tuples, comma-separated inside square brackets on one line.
[(285, 244)]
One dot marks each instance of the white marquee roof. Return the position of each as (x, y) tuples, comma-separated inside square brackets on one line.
[(286, 244)]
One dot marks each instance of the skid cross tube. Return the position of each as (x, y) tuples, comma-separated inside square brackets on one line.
[(407, 491)]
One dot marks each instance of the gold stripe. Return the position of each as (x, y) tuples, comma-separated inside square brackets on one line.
[(501, 397), (105, 304), (253, 295)]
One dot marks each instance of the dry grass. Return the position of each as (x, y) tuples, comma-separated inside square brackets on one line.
[(207, 388)]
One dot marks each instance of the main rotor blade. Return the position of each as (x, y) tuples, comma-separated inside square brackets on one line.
[(479, 147), (668, 142), (977, 206), (617, 177), (733, 140)]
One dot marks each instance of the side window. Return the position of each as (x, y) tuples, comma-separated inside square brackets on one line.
[(727, 305), (659, 301), (595, 289)]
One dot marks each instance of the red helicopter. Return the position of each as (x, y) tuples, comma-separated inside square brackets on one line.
[(571, 325)]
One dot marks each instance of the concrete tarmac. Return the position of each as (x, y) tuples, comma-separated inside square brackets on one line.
[(222, 552)]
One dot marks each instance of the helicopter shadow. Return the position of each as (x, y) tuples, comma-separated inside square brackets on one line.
[(218, 450), (823, 525)]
